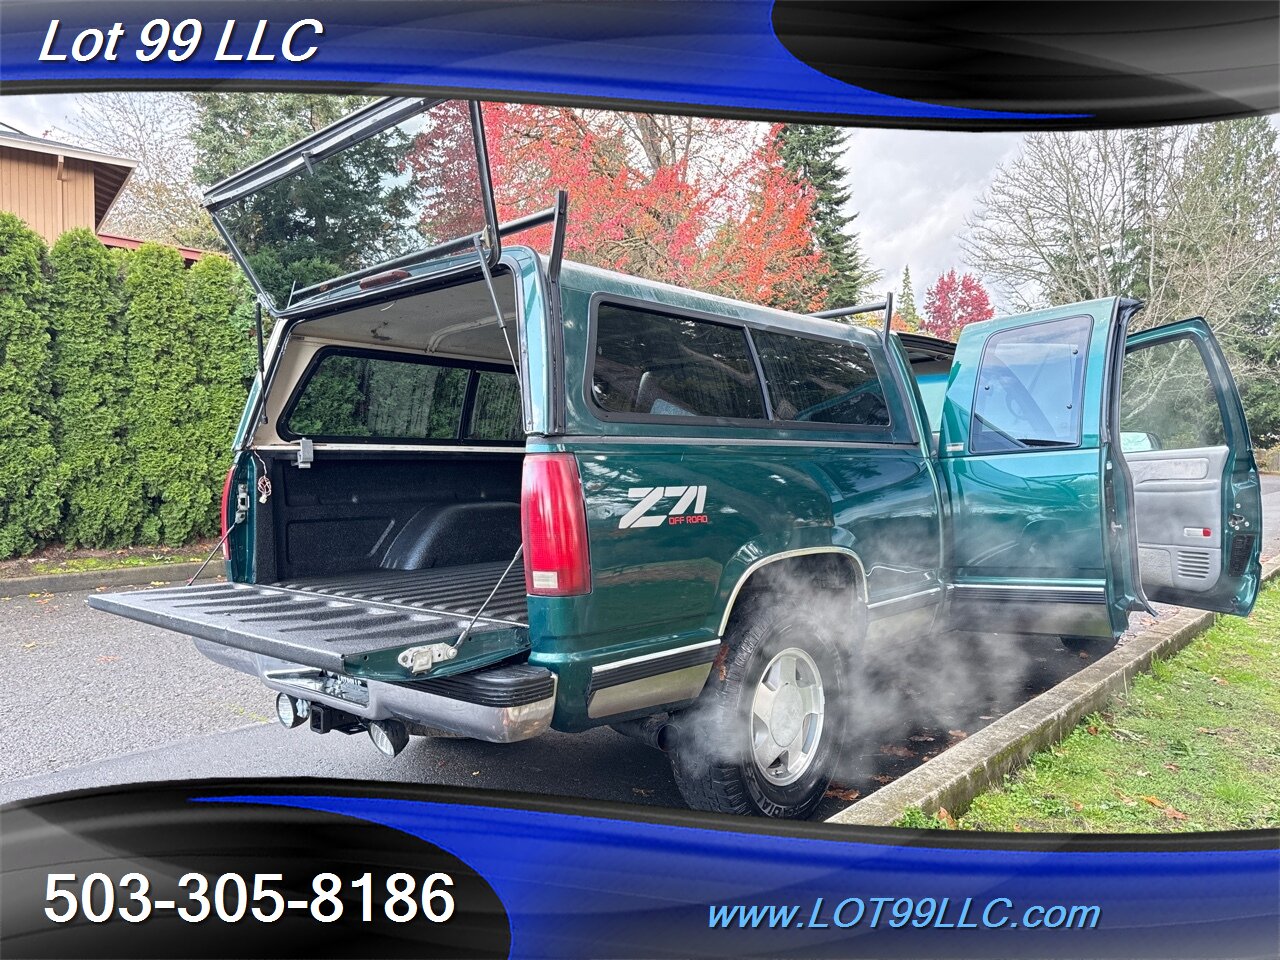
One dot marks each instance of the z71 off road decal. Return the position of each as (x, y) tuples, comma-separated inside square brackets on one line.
[(688, 507)]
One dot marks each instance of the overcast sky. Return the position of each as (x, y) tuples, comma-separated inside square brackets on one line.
[(913, 189)]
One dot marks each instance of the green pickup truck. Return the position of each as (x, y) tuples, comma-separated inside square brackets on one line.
[(481, 491)]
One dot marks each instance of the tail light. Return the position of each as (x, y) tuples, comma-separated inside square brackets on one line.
[(553, 519), (226, 522)]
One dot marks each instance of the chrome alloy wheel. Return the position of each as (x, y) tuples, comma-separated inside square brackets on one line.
[(787, 714)]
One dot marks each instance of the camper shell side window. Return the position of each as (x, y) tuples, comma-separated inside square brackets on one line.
[(651, 364), (353, 395)]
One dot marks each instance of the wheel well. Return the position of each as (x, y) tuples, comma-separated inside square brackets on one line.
[(827, 571)]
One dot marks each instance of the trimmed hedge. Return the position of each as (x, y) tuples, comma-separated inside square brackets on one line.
[(30, 501), (122, 378), (100, 486)]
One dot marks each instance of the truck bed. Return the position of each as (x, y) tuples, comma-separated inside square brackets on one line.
[(450, 590), (319, 621)]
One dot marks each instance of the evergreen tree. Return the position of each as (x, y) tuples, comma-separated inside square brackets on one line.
[(905, 305), (102, 493), (162, 352), (300, 231), (30, 504), (235, 130), (222, 308), (812, 153)]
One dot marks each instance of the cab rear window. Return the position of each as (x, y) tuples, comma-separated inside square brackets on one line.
[(356, 395), (651, 364)]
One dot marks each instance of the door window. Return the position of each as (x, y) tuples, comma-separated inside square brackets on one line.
[(1030, 386), (1167, 399), (654, 365), (821, 381)]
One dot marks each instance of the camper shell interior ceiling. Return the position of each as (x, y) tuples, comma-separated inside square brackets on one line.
[(453, 323)]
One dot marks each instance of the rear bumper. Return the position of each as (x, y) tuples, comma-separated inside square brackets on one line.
[(499, 704)]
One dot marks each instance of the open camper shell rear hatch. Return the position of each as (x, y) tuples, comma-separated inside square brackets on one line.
[(392, 194)]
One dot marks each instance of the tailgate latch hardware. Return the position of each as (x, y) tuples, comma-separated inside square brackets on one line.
[(306, 454), (422, 659)]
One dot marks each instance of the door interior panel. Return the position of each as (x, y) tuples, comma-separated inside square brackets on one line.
[(1178, 497)]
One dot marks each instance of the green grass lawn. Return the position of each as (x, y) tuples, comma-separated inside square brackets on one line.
[(1194, 745)]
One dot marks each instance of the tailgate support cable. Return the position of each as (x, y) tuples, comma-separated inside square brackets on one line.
[(467, 632), (216, 547), (497, 310)]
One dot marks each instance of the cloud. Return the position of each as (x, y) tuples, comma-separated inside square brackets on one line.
[(913, 189), (38, 115)]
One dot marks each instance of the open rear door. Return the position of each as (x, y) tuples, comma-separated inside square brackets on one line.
[(392, 193), (1192, 478), (1030, 470)]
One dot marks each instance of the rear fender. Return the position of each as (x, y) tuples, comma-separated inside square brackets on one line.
[(751, 565)]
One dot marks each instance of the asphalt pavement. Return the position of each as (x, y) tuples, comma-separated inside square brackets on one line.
[(91, 700)]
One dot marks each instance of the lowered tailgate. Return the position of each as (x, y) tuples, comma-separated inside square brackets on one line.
[(349, 629)]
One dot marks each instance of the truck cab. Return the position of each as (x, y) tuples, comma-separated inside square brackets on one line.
[(481, 490)]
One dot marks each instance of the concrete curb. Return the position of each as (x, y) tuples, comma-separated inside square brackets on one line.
[(119, 577), (953, 778)]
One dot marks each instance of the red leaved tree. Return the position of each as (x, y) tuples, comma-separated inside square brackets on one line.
[(952, 302), (702, 203)]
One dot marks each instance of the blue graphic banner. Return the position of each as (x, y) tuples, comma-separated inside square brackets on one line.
[(690, 53), (577, 886), (694, 54), (968, 66)]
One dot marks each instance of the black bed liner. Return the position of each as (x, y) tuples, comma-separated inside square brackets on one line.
[(455, 590), (319, 621)]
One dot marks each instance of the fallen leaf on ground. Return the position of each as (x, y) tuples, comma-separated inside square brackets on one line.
[(955, 736), (1172, 767), (947, 819), (920, 738), (1173, 814), (1219, 681), (842, 793), (883, 779), (1091, 730), (894, 750), (1155, 802), (1077, 805), (640, 792)]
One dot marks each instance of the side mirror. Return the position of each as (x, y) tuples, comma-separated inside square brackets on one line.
[(1138, 442)]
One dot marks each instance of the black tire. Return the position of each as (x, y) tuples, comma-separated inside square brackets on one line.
[(1093, 646), (715, 768)]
